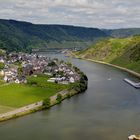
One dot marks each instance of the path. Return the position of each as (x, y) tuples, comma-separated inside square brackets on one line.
[(31, 106)]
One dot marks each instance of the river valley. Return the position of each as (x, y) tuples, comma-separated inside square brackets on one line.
[(108, 110)]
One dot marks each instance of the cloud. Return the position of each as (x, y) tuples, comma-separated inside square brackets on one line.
[(91, 13)]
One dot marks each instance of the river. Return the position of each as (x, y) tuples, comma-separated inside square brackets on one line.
[(108, 110)]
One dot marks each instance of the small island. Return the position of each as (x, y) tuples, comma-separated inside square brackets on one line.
[(31, 82)]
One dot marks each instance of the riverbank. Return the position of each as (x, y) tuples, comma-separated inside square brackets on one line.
[(121, 68), (35, 106), (76, 88), (105, 63)]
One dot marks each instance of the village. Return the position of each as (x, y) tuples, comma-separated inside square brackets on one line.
[(18, 66)]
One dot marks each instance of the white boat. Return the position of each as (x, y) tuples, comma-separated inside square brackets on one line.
[(134, 137), (136, 85)]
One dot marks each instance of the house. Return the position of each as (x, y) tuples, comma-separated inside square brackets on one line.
[(8, 78), (71, 73), (21, 79), (71, 80), (1, 73), (51, 80), (28, 69), (5, 78), (17, 81), (1, 60)]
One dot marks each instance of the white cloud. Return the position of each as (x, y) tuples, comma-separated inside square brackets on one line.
[(94, 13)]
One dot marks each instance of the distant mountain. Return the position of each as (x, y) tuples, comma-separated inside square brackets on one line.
[(122, 33), (123, 52), (21, 36)]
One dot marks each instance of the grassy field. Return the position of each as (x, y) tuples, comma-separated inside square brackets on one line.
[(41, 81), (18, 95), (4, 109), (1, 82)]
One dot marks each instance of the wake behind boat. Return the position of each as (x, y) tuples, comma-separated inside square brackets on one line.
[(134, 84)]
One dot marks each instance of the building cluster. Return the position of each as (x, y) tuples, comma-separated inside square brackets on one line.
[(17, 66)]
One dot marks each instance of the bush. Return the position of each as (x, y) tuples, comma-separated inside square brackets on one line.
[(46, 102), (1, 66), (59, 98)]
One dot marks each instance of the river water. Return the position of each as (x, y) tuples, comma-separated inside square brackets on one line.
[(108, 110)]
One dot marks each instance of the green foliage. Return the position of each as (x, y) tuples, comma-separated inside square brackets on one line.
[(2, 52), (52, 64), (23, 36), (81, 85), (41, 81), (1, 82), (1, 65), (20, 71), (122, 33), (18, 95), (46, 102), (59, 98), (122, 52), (69, 64)]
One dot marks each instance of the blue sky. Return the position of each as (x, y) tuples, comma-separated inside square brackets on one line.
[(89, 13)]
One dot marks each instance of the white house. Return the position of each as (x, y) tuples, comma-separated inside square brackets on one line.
[(71, 73), (1, 61), (5, 78), (71, 80), (17, 81), (1, 73)]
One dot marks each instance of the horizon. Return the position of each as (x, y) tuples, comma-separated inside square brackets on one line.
[(111, 14), (71, 25)]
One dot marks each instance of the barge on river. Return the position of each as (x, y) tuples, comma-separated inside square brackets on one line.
[(136, 85), (134, 137)]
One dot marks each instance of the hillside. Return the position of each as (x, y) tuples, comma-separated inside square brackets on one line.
[(21, 36), (122, 33), (123, 52)]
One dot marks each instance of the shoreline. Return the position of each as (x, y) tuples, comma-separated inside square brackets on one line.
[(118, 67), (112, 65), (136, 74), (38, 106)]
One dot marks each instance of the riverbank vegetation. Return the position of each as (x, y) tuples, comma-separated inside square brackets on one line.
[(124, 52), (74, 88)]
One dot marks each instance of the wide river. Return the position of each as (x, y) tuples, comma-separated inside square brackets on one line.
[(108, 110)]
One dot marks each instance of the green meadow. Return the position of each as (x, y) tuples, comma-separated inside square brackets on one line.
[(18, 95)]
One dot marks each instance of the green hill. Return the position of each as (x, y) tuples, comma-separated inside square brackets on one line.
[(123, 52), (123, 33), (21, 36)]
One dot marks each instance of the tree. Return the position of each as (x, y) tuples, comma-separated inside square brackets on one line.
[(59, 98), (51, 64), (20, 71), (46, 103), (69, 64), (1, 66)]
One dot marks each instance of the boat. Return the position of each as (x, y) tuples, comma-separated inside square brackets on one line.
[(134, 84), (134, 137)]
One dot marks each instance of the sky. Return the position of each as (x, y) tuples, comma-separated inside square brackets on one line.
[(107, 14)]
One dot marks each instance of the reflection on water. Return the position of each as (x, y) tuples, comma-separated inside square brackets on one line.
[(108, 110)]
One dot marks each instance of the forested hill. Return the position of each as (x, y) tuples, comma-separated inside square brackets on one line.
[(23, 36), (123, 52), (19, 36), (122, 33)]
